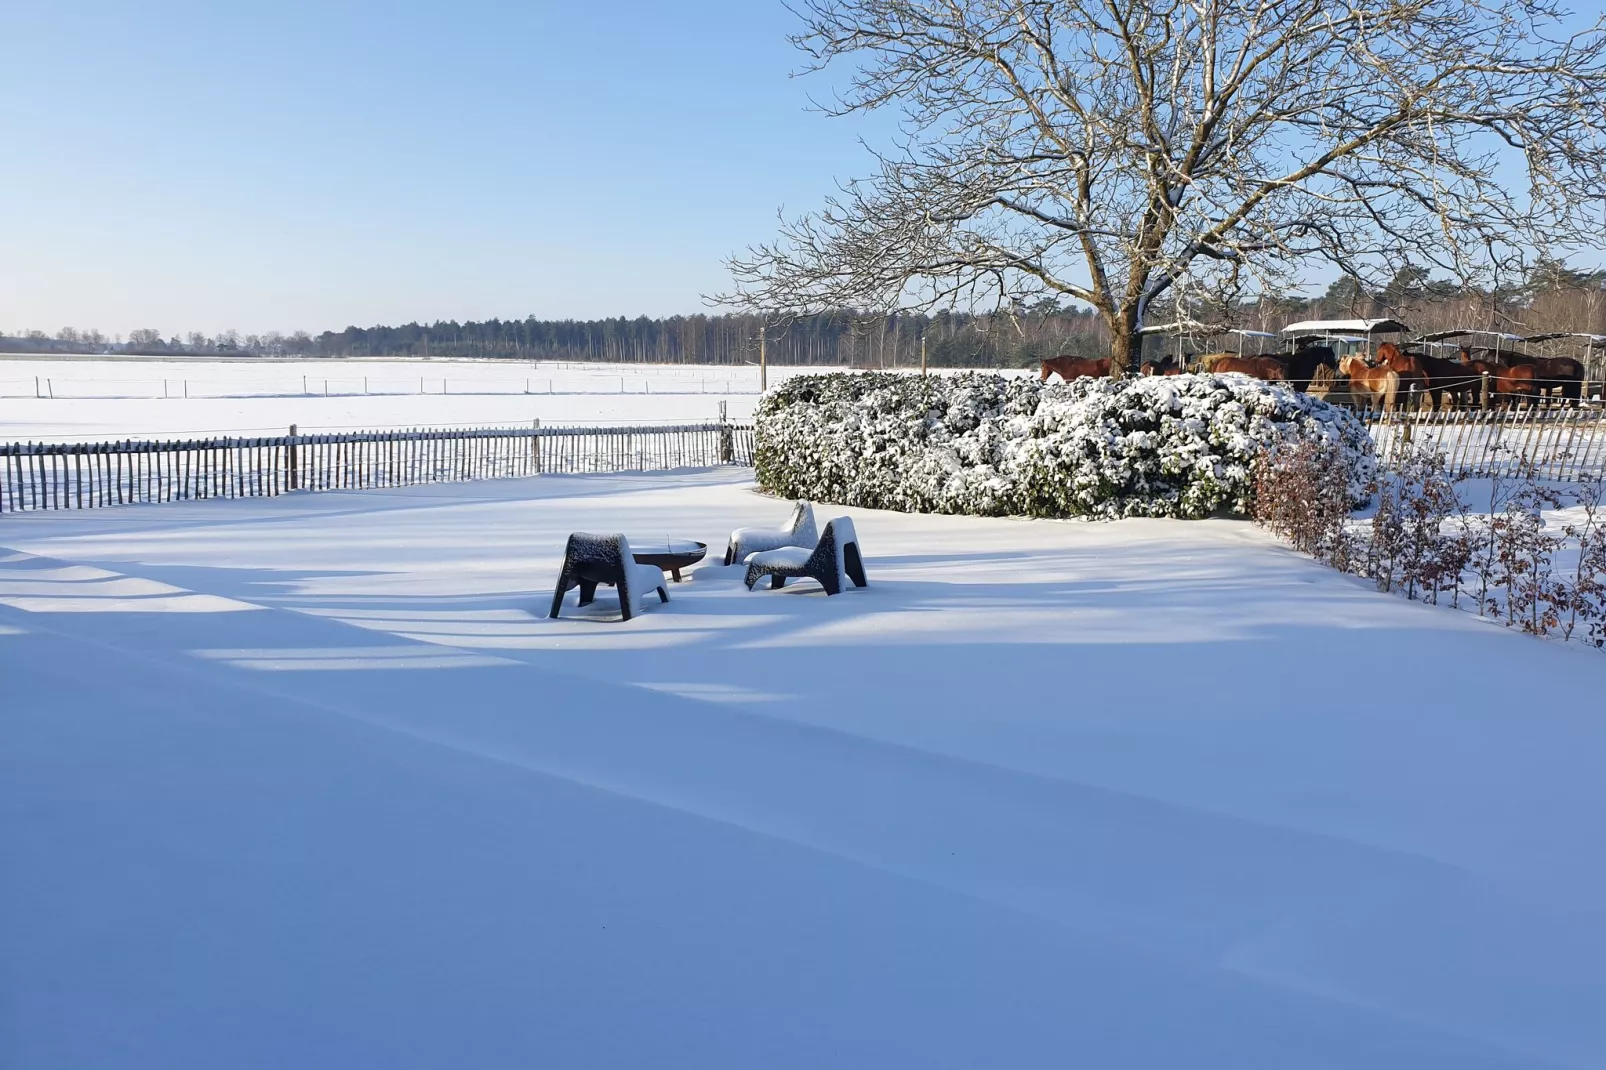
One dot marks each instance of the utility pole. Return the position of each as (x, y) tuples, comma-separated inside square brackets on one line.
[(763, 361)]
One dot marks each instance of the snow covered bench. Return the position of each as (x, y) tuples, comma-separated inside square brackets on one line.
[(834, 560), (592, 559), (799, 531)]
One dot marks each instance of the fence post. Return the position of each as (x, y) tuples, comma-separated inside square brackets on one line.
[(1483, 390), (1410, 407), (290, 456)]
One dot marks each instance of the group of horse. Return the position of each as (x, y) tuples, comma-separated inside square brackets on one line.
[(1389, 377)]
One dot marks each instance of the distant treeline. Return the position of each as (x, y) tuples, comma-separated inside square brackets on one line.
[(1552, 297), (954, 340), (838, 339)]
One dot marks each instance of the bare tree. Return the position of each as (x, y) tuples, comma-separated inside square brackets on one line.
[(1119, 151)]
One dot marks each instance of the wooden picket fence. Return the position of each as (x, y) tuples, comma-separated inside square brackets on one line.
[(1564, 442), (92, 475)]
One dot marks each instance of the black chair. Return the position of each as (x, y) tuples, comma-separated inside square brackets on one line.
[(799, 531), (589, 560), (834, 559)]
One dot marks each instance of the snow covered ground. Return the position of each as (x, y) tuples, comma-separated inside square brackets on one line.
[(92, 400), (309, 781)]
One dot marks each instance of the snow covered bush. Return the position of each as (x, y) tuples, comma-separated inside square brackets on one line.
[(1502, 554), (1305, 499), (991, 445)]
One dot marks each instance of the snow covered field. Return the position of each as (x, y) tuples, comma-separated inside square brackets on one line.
[(309, 781), (93, 400)]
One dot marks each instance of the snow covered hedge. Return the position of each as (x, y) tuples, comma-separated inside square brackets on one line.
[(991, 445)]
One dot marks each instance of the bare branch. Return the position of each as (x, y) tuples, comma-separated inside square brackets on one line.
[(1112, 151)]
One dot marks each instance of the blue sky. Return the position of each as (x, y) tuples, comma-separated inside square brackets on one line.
[(290, 165)]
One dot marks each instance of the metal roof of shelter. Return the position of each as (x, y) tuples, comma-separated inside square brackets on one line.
[(1366, 327), (1550, 336), (1181, 327), (1463, 332), (1348, 338)]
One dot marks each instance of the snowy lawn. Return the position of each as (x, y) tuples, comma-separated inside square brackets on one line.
[(77, 399), (309, 781)]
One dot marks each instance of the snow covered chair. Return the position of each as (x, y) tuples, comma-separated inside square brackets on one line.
[(592, 559), (799, 531), (833, 561)]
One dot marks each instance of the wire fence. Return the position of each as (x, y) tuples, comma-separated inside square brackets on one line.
[(72, 389), (1564, 442), (92, 475)]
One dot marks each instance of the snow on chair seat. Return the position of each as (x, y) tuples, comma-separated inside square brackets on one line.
[(787, 556), (799, 531), (833, 561), (592, 559)]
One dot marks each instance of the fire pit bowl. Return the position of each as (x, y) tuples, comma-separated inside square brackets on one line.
[(671, 555)]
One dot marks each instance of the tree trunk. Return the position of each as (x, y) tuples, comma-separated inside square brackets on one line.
[(1126, 345)]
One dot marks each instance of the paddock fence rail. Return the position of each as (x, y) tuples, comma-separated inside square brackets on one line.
[(1566, 443), (65, 388), (93, 475)]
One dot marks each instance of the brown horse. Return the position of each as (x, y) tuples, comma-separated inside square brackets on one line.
[(1269, 369), (1163, 366), (1325, 384), (1413, 376), (1304, 366), (1069, 368), (1449, 378), (1551, 373), (1509, 383), (1369, 385)]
